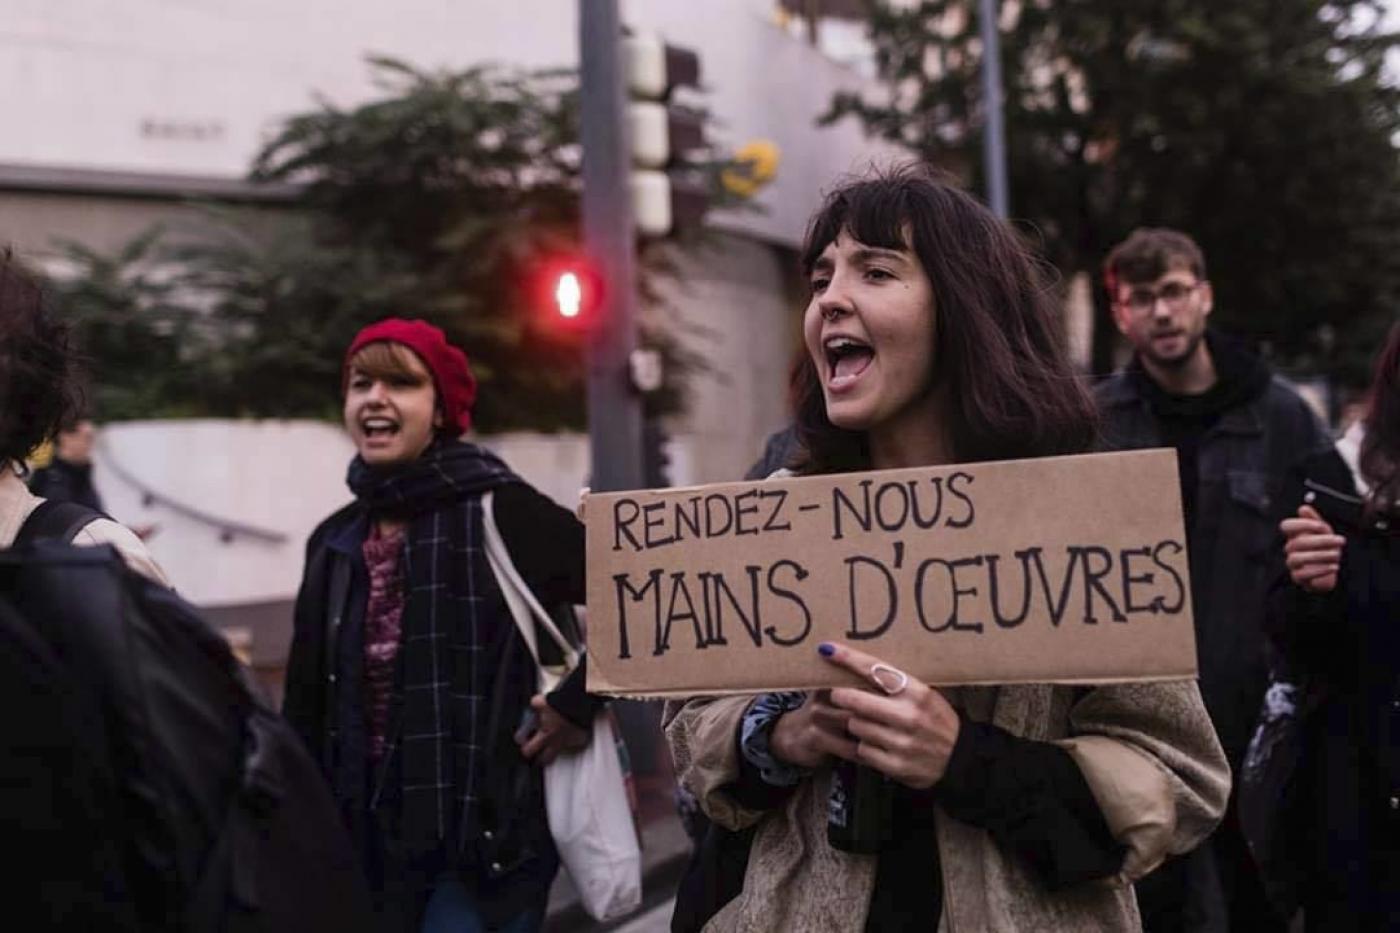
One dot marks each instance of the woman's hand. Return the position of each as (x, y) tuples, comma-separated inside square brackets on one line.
[(814, 733), (1312, 550), (902, 728), (553, 734)]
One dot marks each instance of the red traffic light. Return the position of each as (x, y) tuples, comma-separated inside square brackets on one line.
[(568, 292), (568, 295)]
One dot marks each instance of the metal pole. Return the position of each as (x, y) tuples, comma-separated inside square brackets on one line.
[(994, 136), (614, 410)]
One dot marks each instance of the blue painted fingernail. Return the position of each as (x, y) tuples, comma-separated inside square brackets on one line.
[(826, 649)]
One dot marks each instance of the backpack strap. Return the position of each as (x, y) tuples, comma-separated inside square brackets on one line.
[(55, 521)]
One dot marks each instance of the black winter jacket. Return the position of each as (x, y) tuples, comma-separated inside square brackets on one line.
[(1247, 463), (1345, 648), (66, 482), (511, 861)]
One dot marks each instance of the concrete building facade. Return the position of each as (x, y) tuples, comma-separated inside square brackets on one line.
[(118, 111)]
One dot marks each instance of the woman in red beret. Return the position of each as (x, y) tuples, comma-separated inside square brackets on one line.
[(406, 677)]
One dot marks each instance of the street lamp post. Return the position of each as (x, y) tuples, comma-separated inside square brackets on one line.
[(614, 409), (994, 134)]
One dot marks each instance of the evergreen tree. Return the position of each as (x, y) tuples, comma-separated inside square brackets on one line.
[(445, 198), (132, 329), (451, 185), (1265, 128)]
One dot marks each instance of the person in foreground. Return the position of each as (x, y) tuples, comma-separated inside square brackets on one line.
[(407, 677), (1334, 621), (59, 794), (38, 395), (931, 340)]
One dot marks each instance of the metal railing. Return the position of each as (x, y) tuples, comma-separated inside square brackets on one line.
[(228, 528)]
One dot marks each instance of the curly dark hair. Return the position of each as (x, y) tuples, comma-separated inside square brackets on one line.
[(1380, 449), (38, 387), (1012, 390)]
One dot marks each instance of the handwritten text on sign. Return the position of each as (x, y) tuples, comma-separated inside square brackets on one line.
[(1059, 569)]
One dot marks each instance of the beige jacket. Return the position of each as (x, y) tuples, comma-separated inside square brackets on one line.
[(1148, 752), (17, 502)]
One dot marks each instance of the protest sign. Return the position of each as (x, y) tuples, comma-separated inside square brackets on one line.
[(1060, 569)]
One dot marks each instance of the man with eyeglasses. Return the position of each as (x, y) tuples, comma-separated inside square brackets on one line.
[(1241, 435)]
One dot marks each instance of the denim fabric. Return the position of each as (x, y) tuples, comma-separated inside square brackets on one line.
[(452, 910)]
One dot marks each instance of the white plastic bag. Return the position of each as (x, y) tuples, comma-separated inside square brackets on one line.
[(591, 822), (585, 792)]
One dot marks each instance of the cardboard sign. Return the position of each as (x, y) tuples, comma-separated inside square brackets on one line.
[(1062, 569)]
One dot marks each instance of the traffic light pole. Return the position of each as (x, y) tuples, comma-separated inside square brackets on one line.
[(994, 134), (614, 409)]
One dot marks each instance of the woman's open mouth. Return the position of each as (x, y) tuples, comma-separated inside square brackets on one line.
[(378, 429), (846, 359)]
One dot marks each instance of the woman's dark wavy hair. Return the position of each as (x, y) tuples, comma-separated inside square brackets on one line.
[(1380, 449), (38, 388), (1010, 388)]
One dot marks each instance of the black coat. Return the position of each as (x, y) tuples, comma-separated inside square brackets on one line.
[(511, 861), (1345, 647), (62, 481), (1246, 472)]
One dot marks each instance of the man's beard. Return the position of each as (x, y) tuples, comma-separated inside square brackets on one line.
[(1180, 360)]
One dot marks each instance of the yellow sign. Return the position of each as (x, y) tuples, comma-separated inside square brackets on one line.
[(754, 166)]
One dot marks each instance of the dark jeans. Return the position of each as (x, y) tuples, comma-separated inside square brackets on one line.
[(451, 910)]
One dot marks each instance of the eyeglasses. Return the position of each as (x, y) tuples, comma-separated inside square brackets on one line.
[(1172, 294)]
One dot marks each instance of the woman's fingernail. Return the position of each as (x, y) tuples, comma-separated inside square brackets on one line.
[(826, 649)]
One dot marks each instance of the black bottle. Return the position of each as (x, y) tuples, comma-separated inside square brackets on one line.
[(859, 809)]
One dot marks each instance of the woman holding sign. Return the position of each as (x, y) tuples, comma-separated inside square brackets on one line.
[(931, 339), (406, 677)]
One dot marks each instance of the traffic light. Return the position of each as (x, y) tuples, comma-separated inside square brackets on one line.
[(667, 190), (568, 295), (568, 291)]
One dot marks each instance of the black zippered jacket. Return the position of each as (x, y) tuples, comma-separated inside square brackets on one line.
[(511, 861), (1239, 472)]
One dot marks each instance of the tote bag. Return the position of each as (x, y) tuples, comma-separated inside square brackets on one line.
[(585, 793)]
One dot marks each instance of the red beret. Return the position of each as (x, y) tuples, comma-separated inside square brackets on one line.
[(452, 377)]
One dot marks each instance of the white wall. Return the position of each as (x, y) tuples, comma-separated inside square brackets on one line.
[(278, 476), (737, 315), (195, 86)]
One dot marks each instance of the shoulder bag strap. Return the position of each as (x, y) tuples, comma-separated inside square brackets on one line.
[(525, 609), (52, 520)]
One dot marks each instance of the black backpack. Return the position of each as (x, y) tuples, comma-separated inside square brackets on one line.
[(201, 809)]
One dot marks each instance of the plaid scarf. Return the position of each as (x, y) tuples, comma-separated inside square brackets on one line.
[(443, 689)]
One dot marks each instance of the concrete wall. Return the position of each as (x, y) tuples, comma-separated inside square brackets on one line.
[(35, 223), (740, 312), (195, 87), (278, 477)]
